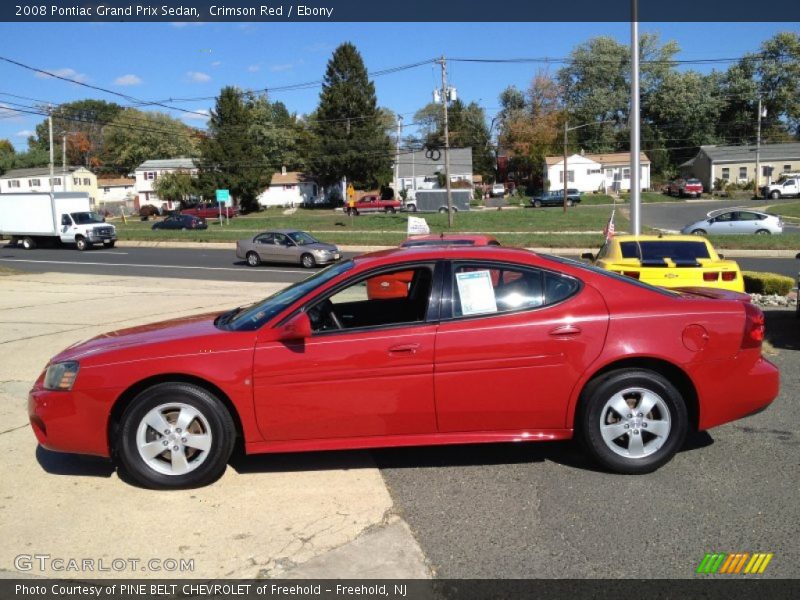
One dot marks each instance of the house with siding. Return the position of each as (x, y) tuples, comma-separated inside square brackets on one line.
[(116, 189), (149, 171), (289, 188), (737, 164), (37, 179), (607, 172), (420, 169)]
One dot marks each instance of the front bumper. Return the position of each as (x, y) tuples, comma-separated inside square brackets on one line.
[(327, 259), (97, 238)]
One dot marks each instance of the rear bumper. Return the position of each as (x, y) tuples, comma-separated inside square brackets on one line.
[(732, 391)]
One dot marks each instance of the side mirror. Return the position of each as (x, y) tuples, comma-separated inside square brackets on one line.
[(295, 329), (587, 256)]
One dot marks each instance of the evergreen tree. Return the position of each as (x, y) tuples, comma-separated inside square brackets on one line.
[(349, 136)]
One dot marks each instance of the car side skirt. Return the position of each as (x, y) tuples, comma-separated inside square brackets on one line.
[(428, 439)]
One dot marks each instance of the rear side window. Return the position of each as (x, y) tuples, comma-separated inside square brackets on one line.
[(480, 289), (657, 251)]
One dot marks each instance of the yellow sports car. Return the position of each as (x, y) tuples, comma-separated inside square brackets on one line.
[(669, 261)]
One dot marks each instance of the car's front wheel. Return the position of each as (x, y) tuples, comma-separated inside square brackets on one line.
[(632, 421), (82, 244), (762, 232), (698, 232), (307, 260), (537, 203), (175, 435)]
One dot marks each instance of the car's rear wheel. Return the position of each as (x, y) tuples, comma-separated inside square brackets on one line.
[(569, 202), (253, 259), (632, 421), (698, 232), (775, 195), (175, 435), (762, 232), (411, 208), (307, 260), (28, 243), (537, 203), (390, 210)]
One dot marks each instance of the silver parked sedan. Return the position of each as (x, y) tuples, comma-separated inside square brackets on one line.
[(286, 246), (736, 221)]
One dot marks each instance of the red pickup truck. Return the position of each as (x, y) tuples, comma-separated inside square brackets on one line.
[(685, 187), (372, 203), (210, 211)]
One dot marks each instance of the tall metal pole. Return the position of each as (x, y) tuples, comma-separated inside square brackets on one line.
[(52, 196), (565, 174), (758, 152), (445, 98), (397, 156), (636, 187), (64, 155)]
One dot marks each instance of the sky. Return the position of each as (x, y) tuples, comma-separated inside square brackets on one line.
[(160, 61)]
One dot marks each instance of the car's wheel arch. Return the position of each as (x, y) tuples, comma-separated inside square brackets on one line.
[(672, 372), (125, 398)]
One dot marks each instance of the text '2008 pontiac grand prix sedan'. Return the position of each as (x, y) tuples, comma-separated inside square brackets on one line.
[(473, 344)]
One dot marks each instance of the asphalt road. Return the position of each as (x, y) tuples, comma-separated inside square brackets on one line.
[(543, 510), (673, 216), (214, 264)]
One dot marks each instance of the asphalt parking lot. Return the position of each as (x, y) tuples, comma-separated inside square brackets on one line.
[(486, 511)]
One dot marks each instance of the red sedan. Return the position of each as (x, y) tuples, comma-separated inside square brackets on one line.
[(483, 344), (210, 211)]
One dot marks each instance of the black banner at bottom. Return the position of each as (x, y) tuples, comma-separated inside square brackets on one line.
[(375, 589)]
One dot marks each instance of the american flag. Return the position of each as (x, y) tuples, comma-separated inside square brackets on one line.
[(609, 228)]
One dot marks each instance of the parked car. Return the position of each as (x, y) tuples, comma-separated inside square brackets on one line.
[(556, 198), (210, 211), (576, 352), (685, 187), (373, 203), (181, 222), (454, 239), (787, 186), (498, 190), (286, 246), (670, 261), (736, 221)]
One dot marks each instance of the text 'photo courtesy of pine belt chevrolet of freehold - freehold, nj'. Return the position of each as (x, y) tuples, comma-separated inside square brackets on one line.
[(346, 299)]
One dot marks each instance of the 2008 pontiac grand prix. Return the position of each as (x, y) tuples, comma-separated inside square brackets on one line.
[(417, 346)]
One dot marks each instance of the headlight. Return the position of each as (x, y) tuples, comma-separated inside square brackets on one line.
[(321, 251), (61, 376)]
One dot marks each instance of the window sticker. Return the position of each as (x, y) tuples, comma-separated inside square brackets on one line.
[(476, 292)]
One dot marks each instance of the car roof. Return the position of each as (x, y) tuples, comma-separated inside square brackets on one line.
[(427, 253), (451, 238), (283, 231)]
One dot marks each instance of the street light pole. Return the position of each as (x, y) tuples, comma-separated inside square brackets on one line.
[(636, 187), (445, 98), (758, 152), (566, 129)]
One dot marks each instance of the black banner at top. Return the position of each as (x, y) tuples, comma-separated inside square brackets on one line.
[(403, 11)]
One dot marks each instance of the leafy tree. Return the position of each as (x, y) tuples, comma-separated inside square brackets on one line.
[(83, 120), (135, 136), (35, 157), (245, 145), (174, 186), (349, 137)]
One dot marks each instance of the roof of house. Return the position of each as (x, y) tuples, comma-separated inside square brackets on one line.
[(789, 151), (289, 178), (168, 163), (429, 163), (607, 158), (115, 182), (39, 171)]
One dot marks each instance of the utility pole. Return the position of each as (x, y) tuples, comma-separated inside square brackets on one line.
[(566, 129), (445, 99), (52, 196), (758, 152), (64, 155), (636, 187), (397, 155)]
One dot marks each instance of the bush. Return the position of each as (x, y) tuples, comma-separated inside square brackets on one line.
[(767, 283)]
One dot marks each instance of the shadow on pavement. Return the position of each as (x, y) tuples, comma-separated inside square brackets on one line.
[(60, 463), (783, 329)]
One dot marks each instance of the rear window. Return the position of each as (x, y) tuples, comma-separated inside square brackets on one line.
[(657, 251)]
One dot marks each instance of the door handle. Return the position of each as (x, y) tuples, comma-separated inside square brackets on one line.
[(404, 349), (565, 330)]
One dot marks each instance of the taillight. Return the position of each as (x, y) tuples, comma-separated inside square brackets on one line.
[(753, 326), (711, 276), (728, 275), (631, 274)]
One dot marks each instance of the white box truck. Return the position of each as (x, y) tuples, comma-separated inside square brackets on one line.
[(38, 218)]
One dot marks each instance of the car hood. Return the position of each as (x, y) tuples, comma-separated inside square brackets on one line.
[(172, 331)]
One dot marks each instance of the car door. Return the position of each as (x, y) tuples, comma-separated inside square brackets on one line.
[(746, 222), (512, 345), (262, 245), (722, 224), (371, 377)]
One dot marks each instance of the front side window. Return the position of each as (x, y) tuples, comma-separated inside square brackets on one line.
[(396, 297), (483, 289)]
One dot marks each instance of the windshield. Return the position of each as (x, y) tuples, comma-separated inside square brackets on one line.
[(301, 238), (658, 250), (257, 314), (84, 218)]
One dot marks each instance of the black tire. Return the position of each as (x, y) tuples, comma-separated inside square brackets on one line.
[(206, 465), (389, 210), (443, 210), (253, 259), (775, 194), (594, 410), (28, 243), (110, 244), (569, 202), (537, 204), (82, 244), (762, 232), (698, 232), (411, 208), (307, 260)]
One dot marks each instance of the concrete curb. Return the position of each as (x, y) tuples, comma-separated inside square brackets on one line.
[(733, 253)]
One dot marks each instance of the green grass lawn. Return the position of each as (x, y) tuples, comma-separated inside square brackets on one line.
[(791, 210)]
